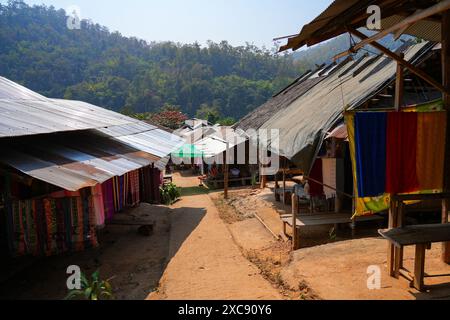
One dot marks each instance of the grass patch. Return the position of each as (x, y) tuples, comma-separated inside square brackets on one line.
[(193, 191)]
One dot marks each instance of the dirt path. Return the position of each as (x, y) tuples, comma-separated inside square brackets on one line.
[(208, 264)]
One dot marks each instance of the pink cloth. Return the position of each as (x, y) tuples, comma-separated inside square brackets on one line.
[(99, 207)]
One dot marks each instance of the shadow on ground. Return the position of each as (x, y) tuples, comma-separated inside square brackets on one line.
[(135, 262)]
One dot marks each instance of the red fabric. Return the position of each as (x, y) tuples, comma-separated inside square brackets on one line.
[(401, 153), (316, 189)]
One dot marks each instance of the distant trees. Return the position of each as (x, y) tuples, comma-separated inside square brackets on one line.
[(119, 73)]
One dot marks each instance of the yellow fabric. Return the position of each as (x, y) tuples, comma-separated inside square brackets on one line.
[(431, 130), (364, 206)]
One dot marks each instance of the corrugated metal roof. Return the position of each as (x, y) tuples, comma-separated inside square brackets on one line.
[(24, 112), (304, 123), (13, 91), (334, 21), (73, 161), (145, 137), (424, 29)]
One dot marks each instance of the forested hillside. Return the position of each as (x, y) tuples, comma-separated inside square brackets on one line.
[(127, 74)]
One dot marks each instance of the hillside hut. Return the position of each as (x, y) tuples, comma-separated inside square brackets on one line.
[(428, 20)]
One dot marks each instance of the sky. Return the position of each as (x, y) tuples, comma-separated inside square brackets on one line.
[(188, 21)]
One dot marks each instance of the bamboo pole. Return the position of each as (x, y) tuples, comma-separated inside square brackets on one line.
[(399, 85)]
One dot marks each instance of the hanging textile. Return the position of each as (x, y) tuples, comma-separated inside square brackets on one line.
[(99, 206), (333, 176), (108, 198), (401, 154), (414, 157), (363, 205), (431, 128), (50, 226), (119, 193), (149, 183), (316, 189), (370, 142), (329, 177), (133, 194)]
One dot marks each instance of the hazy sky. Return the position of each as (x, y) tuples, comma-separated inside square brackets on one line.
[(187, 21)]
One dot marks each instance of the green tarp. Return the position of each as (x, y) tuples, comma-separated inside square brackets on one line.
[(188, 151)]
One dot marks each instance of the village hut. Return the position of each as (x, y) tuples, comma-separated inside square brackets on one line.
[(67, 168), (427, 20)]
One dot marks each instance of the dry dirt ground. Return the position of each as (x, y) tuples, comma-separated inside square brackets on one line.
[(327, 267), (204, 247), (208, 264)]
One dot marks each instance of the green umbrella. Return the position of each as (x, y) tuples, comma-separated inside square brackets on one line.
[(188, 151)]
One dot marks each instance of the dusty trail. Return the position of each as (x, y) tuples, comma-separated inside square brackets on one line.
[(208, 264)]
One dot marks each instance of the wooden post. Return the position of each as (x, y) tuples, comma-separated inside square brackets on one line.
[(391, 247), (263, 181), (226, 175), (446, 83), (398, 263), (295, 236), (284, 187), (399, 85), (419, 266)]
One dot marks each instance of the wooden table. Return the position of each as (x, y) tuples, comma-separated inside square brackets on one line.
[(397, 219), (421, 236)]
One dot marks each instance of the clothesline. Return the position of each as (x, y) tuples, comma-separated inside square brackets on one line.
[(330, 187)]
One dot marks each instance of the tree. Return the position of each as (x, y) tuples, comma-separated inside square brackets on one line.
[(125, 73), (170, 117), (211, 114), (228, 121)]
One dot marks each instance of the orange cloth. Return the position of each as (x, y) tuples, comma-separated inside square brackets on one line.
[(431, 131)]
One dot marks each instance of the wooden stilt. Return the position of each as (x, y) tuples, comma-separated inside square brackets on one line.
[(284, 188), (446, 83), (263, 182), (277, 186), (295, 236), (391, 247), (226, 175)]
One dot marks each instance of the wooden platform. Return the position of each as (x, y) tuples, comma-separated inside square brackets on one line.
[(219, 184), (326, 219)]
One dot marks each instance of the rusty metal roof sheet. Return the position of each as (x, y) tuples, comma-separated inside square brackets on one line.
[(73, 161)]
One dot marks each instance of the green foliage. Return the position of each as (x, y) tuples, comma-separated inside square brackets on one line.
[(110, 70), (169, 193), (228, 121), (95, 289), (211, 114)]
